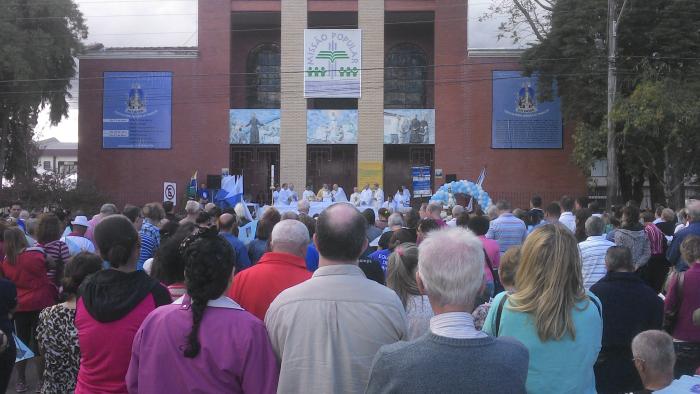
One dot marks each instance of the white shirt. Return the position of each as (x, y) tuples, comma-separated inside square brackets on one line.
[(77, 244), (593, 251), (308, 195), (355, 199), (366, 197), (221, 302), (378, 196), (452, 222), (458, 325), (284, 196), (569, 220), (275, 197)]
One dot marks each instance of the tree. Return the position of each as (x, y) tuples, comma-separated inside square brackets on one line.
[(534, 14), (38, 42), (658, 70)]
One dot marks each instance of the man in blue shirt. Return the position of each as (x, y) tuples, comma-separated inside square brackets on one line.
[(227, 224), (693, 228), (507, 229)]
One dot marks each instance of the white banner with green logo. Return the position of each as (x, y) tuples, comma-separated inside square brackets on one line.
[(332, 63)]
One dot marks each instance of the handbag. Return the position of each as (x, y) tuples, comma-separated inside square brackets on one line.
[(671, 315), (497, 286)]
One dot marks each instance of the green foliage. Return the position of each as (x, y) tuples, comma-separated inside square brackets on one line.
[(39, 40), (658, 97), (53, 191)]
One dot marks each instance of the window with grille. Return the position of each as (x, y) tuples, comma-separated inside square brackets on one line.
[(263, 76), (405, 76)]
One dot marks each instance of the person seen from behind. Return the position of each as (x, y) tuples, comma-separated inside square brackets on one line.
[(26, 268), (112, 304), (401, 277), (629, 307), (551, 314), (281, 268), (204, 342), (56, 333), (654, 359), (682, 309), (326, 330), (48, 233), (506, 272), (453, 357)]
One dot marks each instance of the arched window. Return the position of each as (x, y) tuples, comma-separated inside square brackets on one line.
[(405, 75), (263, 76)]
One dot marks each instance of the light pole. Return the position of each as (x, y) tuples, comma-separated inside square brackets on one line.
[(613, 187)]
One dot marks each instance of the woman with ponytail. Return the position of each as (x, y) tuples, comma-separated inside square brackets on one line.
[(204, 342), (112, 305)]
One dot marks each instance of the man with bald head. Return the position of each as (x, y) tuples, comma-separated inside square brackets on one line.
[(285, 266), (327, 330), (228, 230)]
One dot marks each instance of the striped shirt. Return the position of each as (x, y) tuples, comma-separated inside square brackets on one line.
[(150, 241), (593, 251), (459, 325), (58, 250), (657, 239), (508, 231)]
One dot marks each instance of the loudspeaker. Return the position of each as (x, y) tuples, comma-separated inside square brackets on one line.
[(450, 178), (213, 182)]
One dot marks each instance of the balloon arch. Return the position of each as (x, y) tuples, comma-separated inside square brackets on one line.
[(462, 187)]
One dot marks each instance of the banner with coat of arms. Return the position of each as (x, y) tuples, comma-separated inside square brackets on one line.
[(332, 63), (520, 120)]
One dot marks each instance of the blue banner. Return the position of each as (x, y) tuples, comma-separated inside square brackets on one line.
[(421, 181), (137, 110), (519, 120)]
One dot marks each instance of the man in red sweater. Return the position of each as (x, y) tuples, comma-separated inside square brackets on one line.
[(256, 287)]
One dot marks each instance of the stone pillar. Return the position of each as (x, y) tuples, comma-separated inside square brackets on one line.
[(370, 139), (292, 102)]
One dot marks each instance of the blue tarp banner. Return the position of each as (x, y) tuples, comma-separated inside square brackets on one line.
[(137, 110), (519, 119)]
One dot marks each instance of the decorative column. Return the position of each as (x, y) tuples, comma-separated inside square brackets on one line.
[(370, 139), (292, 102)]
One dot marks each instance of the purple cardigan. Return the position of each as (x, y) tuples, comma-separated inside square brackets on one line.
[(235, 356), (685, 330)]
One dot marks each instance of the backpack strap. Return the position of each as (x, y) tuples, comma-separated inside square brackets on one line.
[(499, 312), (488, 260), (597, 306)]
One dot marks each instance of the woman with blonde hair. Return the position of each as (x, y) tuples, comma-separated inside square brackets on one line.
[(401, 277), (551, 314)]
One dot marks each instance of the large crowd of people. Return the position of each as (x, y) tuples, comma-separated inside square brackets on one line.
[(562, 298)]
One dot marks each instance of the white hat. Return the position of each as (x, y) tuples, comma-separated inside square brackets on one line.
[(80, 221)]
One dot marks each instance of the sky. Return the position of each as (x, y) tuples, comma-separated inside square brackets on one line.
[(148, 23), (126, 23)]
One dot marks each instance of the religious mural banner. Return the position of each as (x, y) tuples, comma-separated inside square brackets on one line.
[(254, 126), (137, 110), (332, 63), (331, 126), (409, 126), (519, 119)]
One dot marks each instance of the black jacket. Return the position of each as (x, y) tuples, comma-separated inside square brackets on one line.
[(109, 295), (629, 307)]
